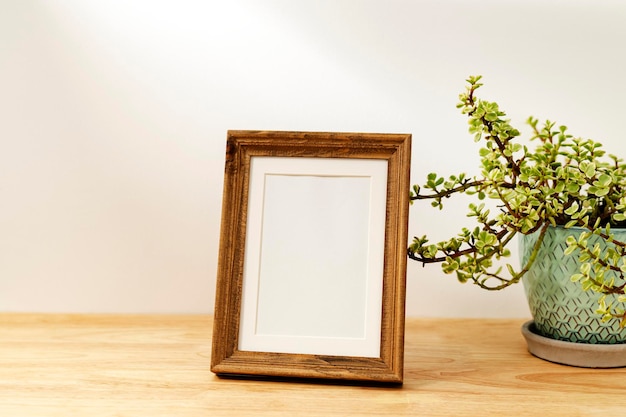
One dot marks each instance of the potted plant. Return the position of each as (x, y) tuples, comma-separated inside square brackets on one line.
[(566, 201)]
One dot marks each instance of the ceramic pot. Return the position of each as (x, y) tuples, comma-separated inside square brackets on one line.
[(560, 308)]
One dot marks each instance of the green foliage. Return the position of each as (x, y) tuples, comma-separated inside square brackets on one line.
[(564, 181)]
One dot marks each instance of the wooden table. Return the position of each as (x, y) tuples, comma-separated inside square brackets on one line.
[(127, 365)]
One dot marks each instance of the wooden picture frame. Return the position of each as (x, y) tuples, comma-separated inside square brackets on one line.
[(312, 261)]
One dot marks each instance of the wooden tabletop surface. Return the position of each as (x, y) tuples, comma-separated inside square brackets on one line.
[(151, 365)]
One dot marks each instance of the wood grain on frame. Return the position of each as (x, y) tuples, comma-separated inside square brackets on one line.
[(241, 147)]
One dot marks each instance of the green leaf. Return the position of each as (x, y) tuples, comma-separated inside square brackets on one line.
[(571, 210), (560, 187), (510, 269), (491, 116), (572, 187), (587, 285), (619, 217), (598, 191), (604, 180), (585, 268), (569, 250)]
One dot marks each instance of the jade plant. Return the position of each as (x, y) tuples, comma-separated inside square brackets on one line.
[(562, 181)]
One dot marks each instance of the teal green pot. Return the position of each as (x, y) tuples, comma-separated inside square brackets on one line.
[(560, 308)]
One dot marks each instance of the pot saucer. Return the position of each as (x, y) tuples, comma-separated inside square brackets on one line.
[(583, 355)]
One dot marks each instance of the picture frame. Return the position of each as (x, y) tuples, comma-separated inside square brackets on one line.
[(311, 278)]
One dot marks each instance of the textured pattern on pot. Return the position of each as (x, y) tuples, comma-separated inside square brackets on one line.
[(560, 308)]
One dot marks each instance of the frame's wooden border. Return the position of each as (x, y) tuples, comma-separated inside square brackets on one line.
[(241, 146)]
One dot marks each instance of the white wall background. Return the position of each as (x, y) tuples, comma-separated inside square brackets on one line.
[(113, 117)]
